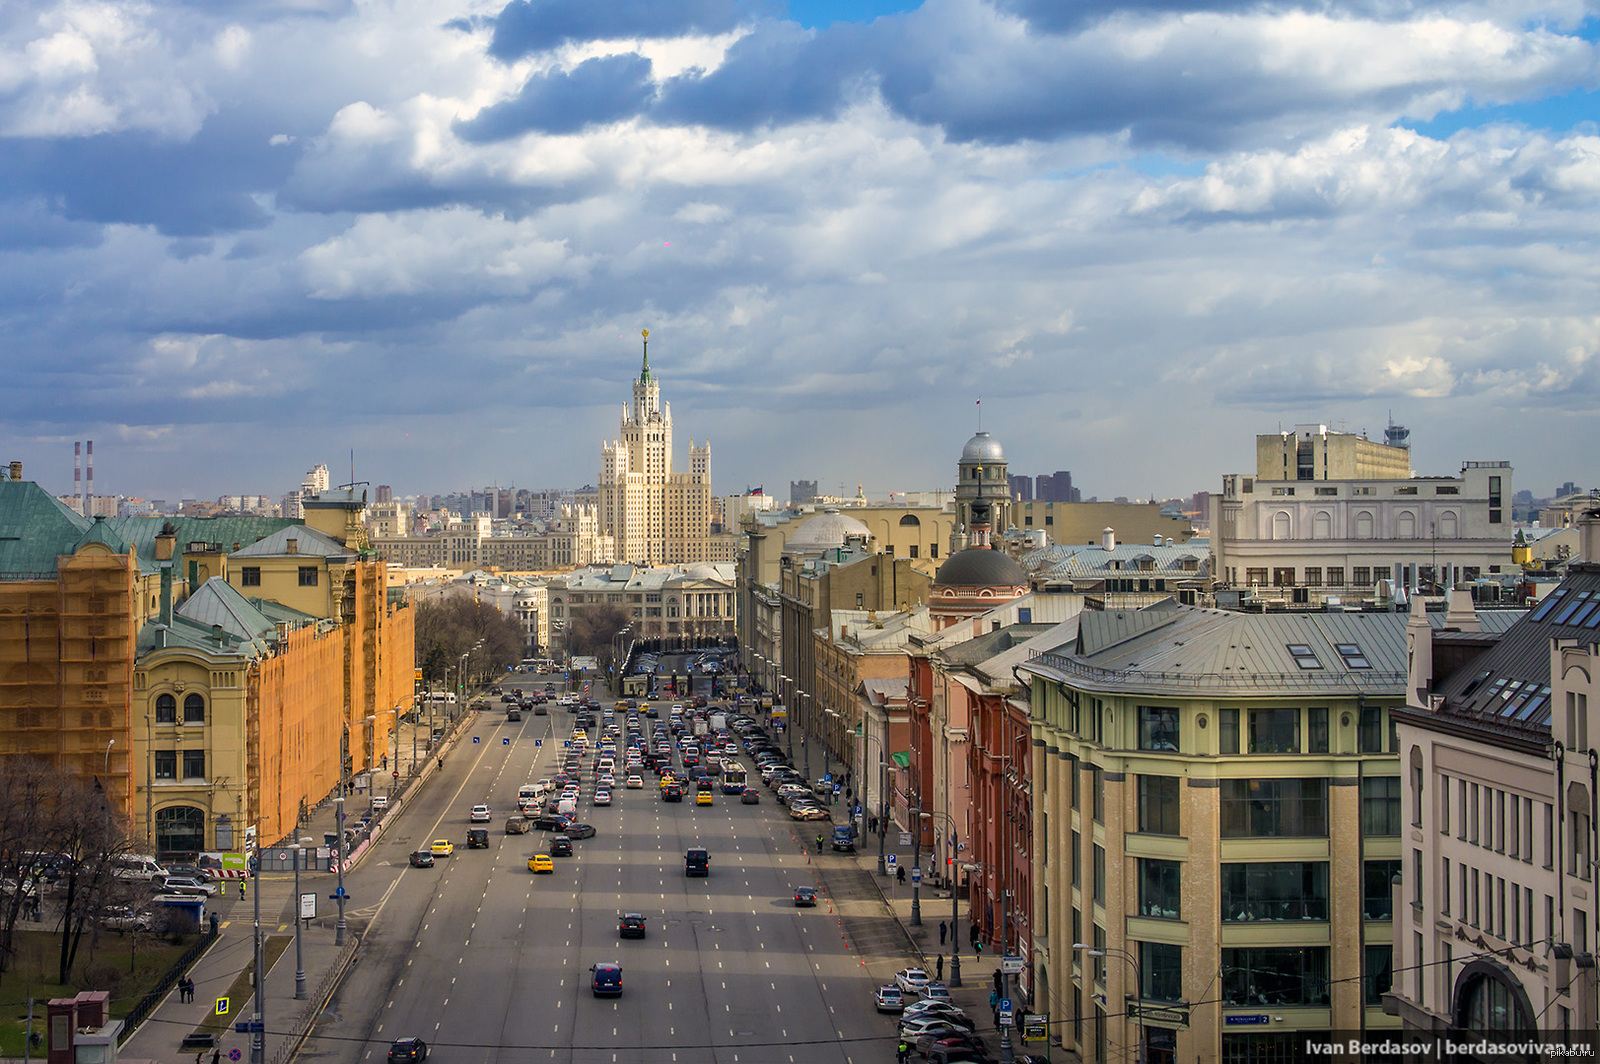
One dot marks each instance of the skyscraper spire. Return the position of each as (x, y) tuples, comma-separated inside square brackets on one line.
[(644, 374)]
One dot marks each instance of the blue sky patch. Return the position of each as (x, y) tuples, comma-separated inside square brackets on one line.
[(819, 14), (1557, 114)]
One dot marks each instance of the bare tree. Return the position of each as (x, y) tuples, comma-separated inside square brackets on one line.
[(447, 629), (24, 783), (83, 833)]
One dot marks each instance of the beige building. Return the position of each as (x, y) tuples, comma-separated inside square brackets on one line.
[(1316, 452), (572, 539), (1497, 896), (1216, 806), (654, 515), (695, 601)]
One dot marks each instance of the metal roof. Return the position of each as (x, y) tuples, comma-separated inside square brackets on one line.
[(308, 541), (215, 602), (35, 529)]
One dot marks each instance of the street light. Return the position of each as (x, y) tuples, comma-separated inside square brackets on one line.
[(299, 959), (883, 794), (1138, 981), (338, 857), (955, 939), (105, 791), (788, 720), (914, 817)]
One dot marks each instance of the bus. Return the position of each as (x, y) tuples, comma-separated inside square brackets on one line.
[(733, 777)]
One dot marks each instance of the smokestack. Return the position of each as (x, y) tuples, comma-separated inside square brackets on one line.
[(77, 474), (89, 479)]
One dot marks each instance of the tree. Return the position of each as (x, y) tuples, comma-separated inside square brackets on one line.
[(593, 629), (449, 628)]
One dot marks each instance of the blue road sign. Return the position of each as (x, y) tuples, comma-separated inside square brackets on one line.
[(339, 892), (1006, 1013), (249, 1026), (474, 738), (916, 875), (538, 742), (505, 742), (890, 859)]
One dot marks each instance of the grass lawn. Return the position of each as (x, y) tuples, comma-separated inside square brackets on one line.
[(128, 965)]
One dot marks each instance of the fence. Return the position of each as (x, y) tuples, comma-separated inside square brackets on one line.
[(147, 1004)]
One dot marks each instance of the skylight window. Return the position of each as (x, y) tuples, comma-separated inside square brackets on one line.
[(1352, 655), (1537, 711), (1303, 656), (1548, 604), (1570, 608), (1477, 682), (1590, 613)]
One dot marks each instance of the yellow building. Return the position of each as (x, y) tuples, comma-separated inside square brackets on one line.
[(1316, 452)]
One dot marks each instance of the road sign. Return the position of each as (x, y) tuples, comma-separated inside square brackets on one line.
[(474, 738), (1249, 1021), (1006, 1013), (235, 1055), (916, 875), (1035, 1028), (505, 741), (837, 789), (249, 1027), (1011, 964), (890, 859), (339, 892), (222, 1006), (538, 743), (905, 838)]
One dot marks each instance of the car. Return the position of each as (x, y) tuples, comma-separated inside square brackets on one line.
[(580, 831), (674, 793), (606, 980), (960, 1049), (422, 859), (126, 918), (186, 885), (936, 991), (702, 798), (541, 864), (808, 812), (560, 846), (441, 847), (407, 1050), (517, 825), (805, 897), (889, 999), (606, 780), (551, 822), (934, 1008), (749, 796), (954, 1019), (602, 797), (915, 1027), (844, 839), (480, 815), (192, 871), (635, 782), (630, 925), (477, 838), (380, 802), (911, 980)]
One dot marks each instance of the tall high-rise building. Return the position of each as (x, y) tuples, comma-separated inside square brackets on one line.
[(1056, 487), (1020, 487), (802, 493), (385, 493), (654, 516)]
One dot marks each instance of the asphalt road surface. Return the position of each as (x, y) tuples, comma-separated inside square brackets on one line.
[(488, 962)]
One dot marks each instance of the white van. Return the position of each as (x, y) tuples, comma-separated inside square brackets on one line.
[(567, 807), (136, 866)]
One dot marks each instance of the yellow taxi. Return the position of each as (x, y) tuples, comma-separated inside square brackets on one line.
[(579, 735), (441, 847), (668, 779), (542, 863), (703, 798)]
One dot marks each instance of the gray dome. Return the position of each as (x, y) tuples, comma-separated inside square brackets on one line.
[(984, 448), (823, 532), (980, 567)]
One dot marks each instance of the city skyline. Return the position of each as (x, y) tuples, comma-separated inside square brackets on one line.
[(238, 243)]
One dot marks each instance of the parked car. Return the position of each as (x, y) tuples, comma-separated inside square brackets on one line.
[(186, 885), (889, 999), (126, 918), (911, 980), (380, 802)]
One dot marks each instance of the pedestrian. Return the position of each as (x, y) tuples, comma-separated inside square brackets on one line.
[(241, 890), (938, 969), (900, 874), (944, 929), (819, 842), (216, 1055), (972, 935), (901, 1052)]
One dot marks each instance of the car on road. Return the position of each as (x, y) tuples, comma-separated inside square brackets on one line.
[(844, 839), (933, 1027), (192, 871), (551, 822), (380, 802), (750, 796), (480, 815), (635, 782), (541, 863), (407, 1051), (602, 797), (607, 980), (630, 925), (958, 1049), (441, 847), (911, 980), (889, 999), (580, 831), (672, 793), (186, 885), (560, 846), (702, 798), (477, 838), (805, 897), (422, 859)]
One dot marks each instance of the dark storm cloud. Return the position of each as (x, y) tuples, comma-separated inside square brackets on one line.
[(594, 92), (527, 26), (195, 187), (778, 73)]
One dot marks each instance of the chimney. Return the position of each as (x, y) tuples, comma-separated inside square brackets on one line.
[(1461, 613), (16, 470), (77, 474), (88, 478), (1108, 538), (291, 546), (1157, 541), (1588, 532)]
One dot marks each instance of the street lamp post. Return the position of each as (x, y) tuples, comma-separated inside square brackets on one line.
[(914, 818), (788, 720), (258, 1038), (810, 738), (955, 939), (1138, 981), (339, 927), (105, 793), (299, 958)]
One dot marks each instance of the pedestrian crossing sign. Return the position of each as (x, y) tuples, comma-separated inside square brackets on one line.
[(222, 1006)]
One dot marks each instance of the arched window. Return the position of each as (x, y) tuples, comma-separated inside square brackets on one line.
[(1280, 525), (180, 829), (910, 520), (194, 709), (166, 709), (1405, 525), (1448, 527), (1364, 524), (1489, 1001), (1321, 525)]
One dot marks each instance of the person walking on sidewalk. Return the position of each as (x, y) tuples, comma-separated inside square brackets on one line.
[(938, 969), (944, 929), (900, 874), (241, 890)]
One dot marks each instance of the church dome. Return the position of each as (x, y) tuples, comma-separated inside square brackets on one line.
[(983, 448), (980, 567), (823, 532)]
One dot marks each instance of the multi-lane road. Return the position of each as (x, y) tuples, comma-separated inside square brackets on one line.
[(488, 962)]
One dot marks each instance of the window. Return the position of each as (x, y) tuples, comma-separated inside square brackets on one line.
[(1255, 577), (1160, 888), (1161, 966), (1288, 890), (1257, 808), (1303, 656), (194, 764), (1072, 774), (1274, 731), (1444, 886), (308, 576), (250, 576), (1158, 728), (1317, 730), (166, 709), (1444, 805), (1333, 576), (1097, 779), (194, 709), (1416, 878), (1228, 728), (1377, 899), (1361, 576), (1313, 576), (1099, 944), (1077, 859), (1158, 805), (1379, 972), (166, 764), (1380, 805), (1275, 976), (1099, 874), (1370, 738), (1283, 576), (1352, 655)]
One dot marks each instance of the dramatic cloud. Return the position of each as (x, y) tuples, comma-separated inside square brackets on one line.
[(1141, 231)]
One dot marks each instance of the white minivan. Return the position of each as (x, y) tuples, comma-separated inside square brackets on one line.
[(136, 866)]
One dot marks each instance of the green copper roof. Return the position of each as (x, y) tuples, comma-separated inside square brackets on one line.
[(35, 529), (224, 532)]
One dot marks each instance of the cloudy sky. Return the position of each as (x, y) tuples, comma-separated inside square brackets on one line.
[(238, 237)]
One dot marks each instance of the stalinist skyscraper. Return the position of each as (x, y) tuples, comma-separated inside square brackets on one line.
[(655, 516)]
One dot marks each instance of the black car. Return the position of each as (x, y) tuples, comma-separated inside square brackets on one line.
[(406, 1050), (551, 822), (560, 846), (630, 925), (477, 838), (672, 793), (421, 859), (805, 897), (580, 831)]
